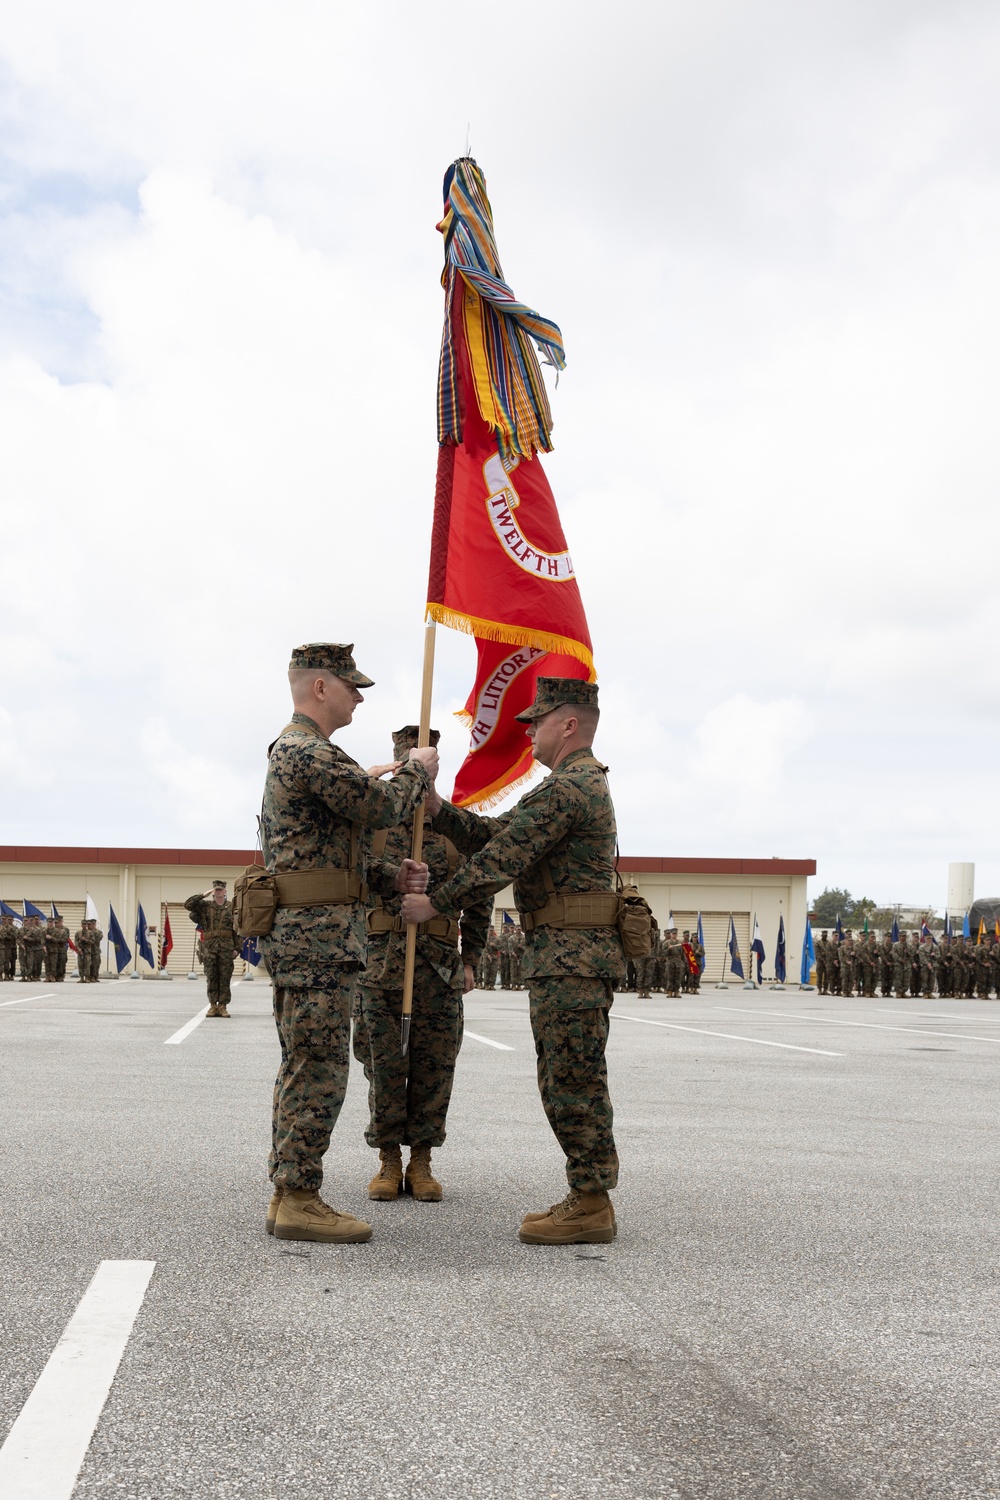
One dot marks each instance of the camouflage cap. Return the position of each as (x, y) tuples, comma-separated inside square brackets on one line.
[(218, 885), (553, 692), (328, 656), (405, 739)]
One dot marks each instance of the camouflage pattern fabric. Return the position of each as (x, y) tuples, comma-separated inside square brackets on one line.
[(314, 1029), (313, 794), (218, 945), (215, 918), (56, 949), (568, 820), (885, 965), (31, 947), (8, 948), (901, 966), (408, 1096), (848, 962), (823, 964), (674, 965), (88, 943), (569, 1022)]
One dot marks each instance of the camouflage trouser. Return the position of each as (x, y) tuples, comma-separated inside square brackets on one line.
[(31, 961), (91, 961), (901, 975), (674, 971), (55, 963), (645, 972), (314, 1028), (505, 968), (569, 1021), (8, 960), (408, 1096), (218, 963), (885, 979)]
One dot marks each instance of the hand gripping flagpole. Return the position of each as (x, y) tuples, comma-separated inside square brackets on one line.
[(417, 846)]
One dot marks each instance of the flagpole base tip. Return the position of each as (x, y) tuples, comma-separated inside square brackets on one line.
[(192, 975), (404, 1035), (776, 986), (721, 986), (748, 984)]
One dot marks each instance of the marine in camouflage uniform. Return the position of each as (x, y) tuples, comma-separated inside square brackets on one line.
[(927, 959), (8, 948), (885, 965), (848, 962), (558, 841), (984, 971), (645, 967), (824, 960), (901, 966), (698, 949), (516, 958), (916, 980), (867, 965), (408, 1096), (31, 947), (319, 806), (56, 949), (88, 947), (489, 962), (219, 944), (946, 967), (674, 964)]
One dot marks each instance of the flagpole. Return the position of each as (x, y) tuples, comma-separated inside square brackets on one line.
[(417, 846)]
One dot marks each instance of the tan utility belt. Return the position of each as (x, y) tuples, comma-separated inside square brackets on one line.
[(319, 888), (445, 929), (575, 909)]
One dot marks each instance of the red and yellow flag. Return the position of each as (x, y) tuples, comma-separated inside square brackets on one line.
[(500, 567)]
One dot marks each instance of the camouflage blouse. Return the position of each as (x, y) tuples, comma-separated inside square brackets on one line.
[(569, 820), (313, 794), (387, 950)]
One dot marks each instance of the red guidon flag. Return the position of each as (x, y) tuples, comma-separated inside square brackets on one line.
[(500, 567), (166, 939)]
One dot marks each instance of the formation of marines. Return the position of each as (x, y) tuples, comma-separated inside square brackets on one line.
[(915, 965), (336, 841), (502, 958), (673, 968), (33, 947)]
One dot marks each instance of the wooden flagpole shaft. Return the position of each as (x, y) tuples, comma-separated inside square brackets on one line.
[(417, 847)]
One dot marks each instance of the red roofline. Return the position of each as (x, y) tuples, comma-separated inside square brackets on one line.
[(650, 865), (38, 854)]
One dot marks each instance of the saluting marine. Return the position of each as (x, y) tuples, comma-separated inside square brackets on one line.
[(219, 943)]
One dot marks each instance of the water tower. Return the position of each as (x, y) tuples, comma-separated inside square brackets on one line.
[(961, 889)]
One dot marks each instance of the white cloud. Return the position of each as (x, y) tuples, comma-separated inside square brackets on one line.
[(769, 237)]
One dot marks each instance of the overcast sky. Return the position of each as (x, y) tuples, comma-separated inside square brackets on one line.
[(769, 233)]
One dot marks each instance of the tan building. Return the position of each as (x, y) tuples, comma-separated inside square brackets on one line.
[(161, 879)]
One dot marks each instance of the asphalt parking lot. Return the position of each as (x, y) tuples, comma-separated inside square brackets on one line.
[(801, 1303)]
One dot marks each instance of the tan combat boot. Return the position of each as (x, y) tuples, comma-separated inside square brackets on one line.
[(544, 1214), (213, 1009), (272, 1209), (388, 1180), (418, 1180), (581, 1219), (223, 1009), (302, 1215)]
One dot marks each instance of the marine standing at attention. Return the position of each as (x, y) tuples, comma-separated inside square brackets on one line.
[(558, 846), (408, 1096), (318, 807), (220, 943), (8, 947), (56, 949)]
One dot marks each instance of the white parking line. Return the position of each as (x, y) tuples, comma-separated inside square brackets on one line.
[(619, 1015), (26, 998), (186, 1029), (46, 1446), (189, 1026), (788, 1015), (501, 1046)]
